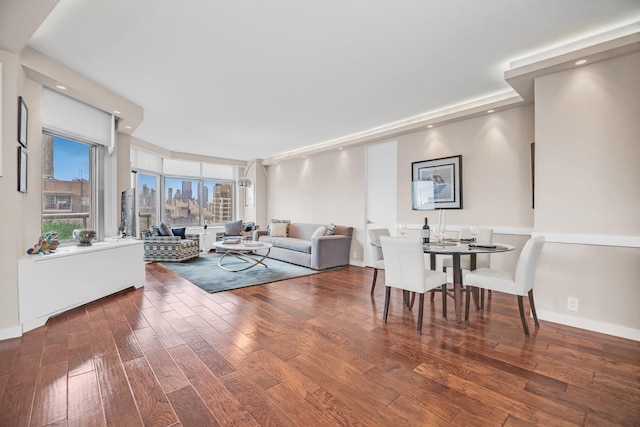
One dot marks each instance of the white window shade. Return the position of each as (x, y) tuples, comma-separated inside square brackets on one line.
[(69, 117), (210, 170), (181, 168), (146, 161)]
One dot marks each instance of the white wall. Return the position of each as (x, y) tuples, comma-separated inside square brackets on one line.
[(327, 188), (588, 188), (12, 201)]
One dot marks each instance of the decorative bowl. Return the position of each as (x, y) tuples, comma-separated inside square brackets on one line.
[(84, 237)]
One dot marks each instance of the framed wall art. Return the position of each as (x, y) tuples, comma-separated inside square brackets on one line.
[(446, 175), (23, 119), (22, 170)]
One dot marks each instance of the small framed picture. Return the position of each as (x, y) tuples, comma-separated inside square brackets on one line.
[(23, 114), (446, 176), (22, 170)]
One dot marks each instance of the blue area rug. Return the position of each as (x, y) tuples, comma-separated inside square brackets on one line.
[(205, 273)]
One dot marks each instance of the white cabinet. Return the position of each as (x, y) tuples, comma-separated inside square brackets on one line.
[(73, 275)]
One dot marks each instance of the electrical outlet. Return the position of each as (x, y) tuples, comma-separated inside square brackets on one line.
[(572, 303), (355, 254)]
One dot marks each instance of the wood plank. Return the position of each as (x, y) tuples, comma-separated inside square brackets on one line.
[(50, 403), (85, 405), (111, 375), (190, 408), (224, 406), (262, 409), (120, 410), (126, 341), (168, 374), (153, 404)]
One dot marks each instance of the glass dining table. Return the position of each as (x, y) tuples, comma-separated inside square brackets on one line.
[(457, 249)]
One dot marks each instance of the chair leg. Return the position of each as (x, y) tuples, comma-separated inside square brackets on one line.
[(420, 311), (433, 293), (467, 303), (387, 295), (375, 277), (444, 302), (524, 320), (533, 308), (413, 299)]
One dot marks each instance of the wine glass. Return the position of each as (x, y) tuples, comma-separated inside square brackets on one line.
[(402, 229), (475, 230)]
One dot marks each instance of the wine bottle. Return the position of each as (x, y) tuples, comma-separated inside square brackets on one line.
[(425, 231)]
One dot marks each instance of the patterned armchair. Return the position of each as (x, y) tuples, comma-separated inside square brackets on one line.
[(169, 248)]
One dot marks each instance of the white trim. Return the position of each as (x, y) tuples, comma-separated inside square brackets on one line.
[(591, 239), (519, 231), (590, 325), (568, 238), (12, 332)]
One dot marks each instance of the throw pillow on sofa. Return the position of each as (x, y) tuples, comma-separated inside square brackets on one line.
[(320, 231), (233, 228), (278, 229), (182, 231), (165, 230), (331, 230)]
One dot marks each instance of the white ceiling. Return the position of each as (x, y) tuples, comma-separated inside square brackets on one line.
[(254, 78)]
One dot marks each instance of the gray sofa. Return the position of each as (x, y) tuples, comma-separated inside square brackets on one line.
[(299, 247)]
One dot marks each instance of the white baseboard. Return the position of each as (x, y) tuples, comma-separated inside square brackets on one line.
[(12, 332), (590, 325), (357, 263)]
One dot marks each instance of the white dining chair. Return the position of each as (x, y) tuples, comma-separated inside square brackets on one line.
[(378, 259), (502, 281), (405, 268)]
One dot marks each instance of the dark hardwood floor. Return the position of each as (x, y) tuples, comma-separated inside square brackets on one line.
[(310, 351)]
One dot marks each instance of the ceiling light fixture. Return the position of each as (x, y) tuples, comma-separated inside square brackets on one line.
[(127, 127), (490, 111), (581, 62), (116, 112), (61, 87), (430, 126)]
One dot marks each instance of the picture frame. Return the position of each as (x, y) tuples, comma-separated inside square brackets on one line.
[(446, 175), (249, 196), (22, 170), (23, 120)]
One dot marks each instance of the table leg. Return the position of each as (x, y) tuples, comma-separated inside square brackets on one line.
[(474, 291), (457, 287), (432, 262)]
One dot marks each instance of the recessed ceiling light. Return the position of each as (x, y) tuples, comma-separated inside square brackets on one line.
[(490, 111), (581, 62), (61, 87), (340, 148), (127, 127), (430, 126), (116, 112)]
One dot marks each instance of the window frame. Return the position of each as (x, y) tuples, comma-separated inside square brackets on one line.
[(96, 157)]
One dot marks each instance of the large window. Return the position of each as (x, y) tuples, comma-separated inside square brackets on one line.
[(181, 201), (67, 185), (147, 200), (218, 202), (182, 192)]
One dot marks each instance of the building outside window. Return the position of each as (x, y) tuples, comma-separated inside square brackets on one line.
[(67, 186), (147, 189)]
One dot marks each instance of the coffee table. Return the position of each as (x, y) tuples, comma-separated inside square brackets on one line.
[(244, 251)]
